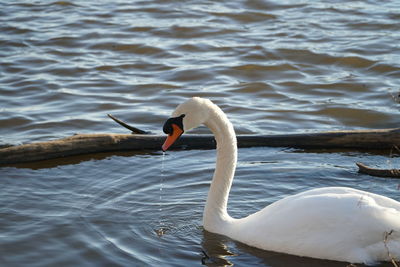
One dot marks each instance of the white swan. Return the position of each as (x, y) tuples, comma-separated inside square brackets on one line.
[(333, 223)]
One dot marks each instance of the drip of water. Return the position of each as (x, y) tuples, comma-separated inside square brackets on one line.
[(162, 179), (161, 229)]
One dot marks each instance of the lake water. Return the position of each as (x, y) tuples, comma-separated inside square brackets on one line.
[(272, 66)]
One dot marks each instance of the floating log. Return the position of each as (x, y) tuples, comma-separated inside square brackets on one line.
[(95, 143), (393, 173)]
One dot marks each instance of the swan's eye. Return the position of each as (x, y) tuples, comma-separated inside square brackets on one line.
[(178, 121)]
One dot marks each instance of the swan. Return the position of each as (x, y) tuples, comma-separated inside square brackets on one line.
[(331, 223)]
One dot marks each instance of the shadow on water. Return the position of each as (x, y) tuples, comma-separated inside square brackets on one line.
[(74, 160), (220, 250)]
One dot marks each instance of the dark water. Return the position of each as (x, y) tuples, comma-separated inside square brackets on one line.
[(273, 66), (105, 212)]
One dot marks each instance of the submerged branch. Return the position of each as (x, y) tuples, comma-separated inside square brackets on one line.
[(95, 143), (393, 173)]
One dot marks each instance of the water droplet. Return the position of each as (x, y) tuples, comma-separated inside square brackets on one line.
[(161, 229)]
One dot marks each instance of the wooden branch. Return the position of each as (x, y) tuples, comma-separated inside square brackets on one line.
[(94, 143), (393, 173), (124, 124)]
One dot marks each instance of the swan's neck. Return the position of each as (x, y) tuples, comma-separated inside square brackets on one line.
[(215, 217)]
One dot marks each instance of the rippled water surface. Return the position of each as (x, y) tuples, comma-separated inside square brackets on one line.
[(273, 67)]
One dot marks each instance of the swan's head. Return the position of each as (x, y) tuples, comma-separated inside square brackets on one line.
[(186, 116)]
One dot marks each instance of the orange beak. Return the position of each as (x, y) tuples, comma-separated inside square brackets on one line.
[(171, 138)]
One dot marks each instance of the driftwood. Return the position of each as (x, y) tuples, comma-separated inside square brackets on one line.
[(95, 143), (393, 173)]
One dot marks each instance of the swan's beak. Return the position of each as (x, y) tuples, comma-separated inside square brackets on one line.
[(172, 137)]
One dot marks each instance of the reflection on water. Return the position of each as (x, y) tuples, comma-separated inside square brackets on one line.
[(273, 67), (216, 252)]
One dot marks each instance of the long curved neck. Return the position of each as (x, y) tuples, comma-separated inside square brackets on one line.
[(215, 217)]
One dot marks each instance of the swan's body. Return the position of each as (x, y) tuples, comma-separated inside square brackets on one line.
[(334, 223)]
